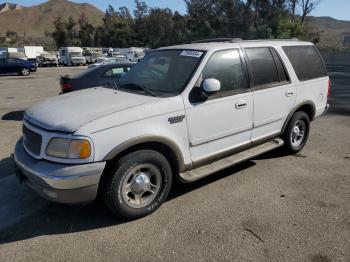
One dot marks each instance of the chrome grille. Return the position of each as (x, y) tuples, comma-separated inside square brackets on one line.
[(32, 141)]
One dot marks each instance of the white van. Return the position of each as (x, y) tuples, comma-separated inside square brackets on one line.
[(71, 56), (183, 112)]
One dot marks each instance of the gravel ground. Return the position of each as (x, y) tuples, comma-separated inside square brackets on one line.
[(272, 208)]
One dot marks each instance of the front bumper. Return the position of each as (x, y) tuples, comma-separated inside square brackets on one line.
[(63, 183)]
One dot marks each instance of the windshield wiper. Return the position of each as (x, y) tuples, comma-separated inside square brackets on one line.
[(142, 87)]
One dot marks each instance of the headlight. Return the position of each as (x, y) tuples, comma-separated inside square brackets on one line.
[(69, 148)]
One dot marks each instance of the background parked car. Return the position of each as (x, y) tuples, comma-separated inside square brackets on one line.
[(48, 59), (108, 60), (16, 65), (101, 75)]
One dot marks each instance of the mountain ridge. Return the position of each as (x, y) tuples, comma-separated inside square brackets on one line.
[(33, 24)]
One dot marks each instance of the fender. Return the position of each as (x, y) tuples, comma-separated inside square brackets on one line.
[(305, 103), (149, 139)]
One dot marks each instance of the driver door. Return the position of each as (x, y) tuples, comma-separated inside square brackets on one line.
[(224, 120)]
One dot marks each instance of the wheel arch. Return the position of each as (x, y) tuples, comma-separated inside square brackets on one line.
[(160, 144), (308, 107)]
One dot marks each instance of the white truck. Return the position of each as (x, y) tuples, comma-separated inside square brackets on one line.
[(133, 54), (32, 53), (183, 112), (71, 56), (47, 59)]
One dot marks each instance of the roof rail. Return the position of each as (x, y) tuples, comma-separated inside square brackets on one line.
[(214, 40), (235, 40)]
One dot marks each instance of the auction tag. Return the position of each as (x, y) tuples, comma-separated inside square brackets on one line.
[(192, 53)]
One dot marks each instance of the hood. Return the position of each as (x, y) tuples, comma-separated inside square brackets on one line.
[(67, 113)]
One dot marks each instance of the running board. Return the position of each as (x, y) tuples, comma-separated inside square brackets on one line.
[(206, 170)]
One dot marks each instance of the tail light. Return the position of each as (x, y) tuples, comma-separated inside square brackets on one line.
[(66, 87), (329, 88)]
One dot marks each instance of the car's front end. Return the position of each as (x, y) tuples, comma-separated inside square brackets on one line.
[(58, 166), (77, 58)]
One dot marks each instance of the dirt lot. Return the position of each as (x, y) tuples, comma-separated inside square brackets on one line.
[(273, 208)]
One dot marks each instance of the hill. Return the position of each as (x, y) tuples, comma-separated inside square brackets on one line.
[(8, 6), (335, 34), (34, 23)]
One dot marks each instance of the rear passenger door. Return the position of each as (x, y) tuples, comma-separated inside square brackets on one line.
[(273, 93)]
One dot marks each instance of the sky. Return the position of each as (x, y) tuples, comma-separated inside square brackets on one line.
[(338, 9)]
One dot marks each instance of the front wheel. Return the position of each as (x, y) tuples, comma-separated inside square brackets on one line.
[(137, 184), (25, 71), (297, 133)]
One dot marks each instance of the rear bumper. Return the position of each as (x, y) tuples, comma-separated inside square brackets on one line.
[(63, 183)]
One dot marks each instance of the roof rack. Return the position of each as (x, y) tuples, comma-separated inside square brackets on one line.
[(214, 40), (235, 40)]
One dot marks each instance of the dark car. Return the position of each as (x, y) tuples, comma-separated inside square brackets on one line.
[(16, 65), (97, 76)]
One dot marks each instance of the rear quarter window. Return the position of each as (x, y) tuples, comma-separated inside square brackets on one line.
[(306, 62)]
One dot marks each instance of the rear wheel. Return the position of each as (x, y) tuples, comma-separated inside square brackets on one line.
[(25, 71), (137, 184), (297, 133)]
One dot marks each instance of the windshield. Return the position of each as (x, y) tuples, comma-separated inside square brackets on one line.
[(163, 71)]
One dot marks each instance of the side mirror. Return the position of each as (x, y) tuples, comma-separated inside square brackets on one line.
[(211, 86)]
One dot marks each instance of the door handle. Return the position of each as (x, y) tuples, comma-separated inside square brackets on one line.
[(289, 93), (241, 104)]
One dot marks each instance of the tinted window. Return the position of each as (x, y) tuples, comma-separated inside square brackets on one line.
[(282, 74), (226, 67), (306, 62), (114, 72), (263, 66)]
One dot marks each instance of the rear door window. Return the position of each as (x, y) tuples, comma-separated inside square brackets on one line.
[(114, 72), (263, 67), (306, 62)]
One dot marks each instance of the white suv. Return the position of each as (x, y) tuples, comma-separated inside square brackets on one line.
[(183, 112)]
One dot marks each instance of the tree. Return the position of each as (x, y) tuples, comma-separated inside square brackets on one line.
[(72, 33), (86, 31), (293, 4), (307, 6), (59, 34)]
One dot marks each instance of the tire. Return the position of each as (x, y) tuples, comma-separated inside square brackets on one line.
[(25, 71), (296, 133), (127, 186)]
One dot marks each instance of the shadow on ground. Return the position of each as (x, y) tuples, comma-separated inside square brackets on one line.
[(59, 219), (13, 116), (6, 167)]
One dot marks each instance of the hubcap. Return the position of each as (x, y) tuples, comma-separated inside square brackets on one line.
[(141, 185), (298, 133), (25, 71)]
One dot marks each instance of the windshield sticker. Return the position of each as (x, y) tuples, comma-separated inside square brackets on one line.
[(191, 53)]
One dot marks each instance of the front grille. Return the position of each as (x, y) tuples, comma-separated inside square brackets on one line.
[(32, 141)]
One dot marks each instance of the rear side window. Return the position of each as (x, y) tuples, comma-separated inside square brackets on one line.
[(114, 72), (263, 67), (306, 62)]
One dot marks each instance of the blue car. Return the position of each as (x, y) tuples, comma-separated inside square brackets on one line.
[(16, 65)]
